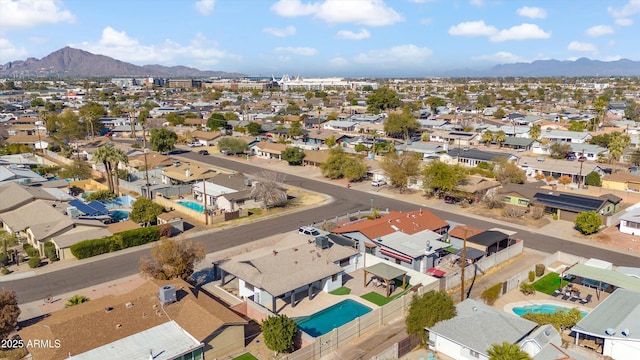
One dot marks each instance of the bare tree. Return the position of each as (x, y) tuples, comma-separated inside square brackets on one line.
[(173, 259), (269, 189), (9, 312)]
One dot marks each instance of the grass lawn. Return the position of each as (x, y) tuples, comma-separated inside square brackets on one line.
[(381, 300), (341, 291), (245, 356), (549, 283)]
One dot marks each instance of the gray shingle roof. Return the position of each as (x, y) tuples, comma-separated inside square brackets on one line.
[(619, 311), (478, 326)]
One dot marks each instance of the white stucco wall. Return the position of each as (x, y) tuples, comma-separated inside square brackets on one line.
[(621, 349)]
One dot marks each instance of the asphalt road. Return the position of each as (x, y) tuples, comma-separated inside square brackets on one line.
[(92, 272)]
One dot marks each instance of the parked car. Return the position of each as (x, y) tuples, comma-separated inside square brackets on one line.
[(571, 157), (308, 230), (203, 152), (378, 182), (195, 144)]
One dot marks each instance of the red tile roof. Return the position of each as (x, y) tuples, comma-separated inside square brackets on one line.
[(407, 222), (458, 231)]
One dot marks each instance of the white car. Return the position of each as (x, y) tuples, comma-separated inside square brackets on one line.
[(195, 144), (308, 230), (378, 182)]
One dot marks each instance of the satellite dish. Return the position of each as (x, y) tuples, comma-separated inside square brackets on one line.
[(625, 332)]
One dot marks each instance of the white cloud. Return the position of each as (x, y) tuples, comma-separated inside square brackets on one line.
[(338, 62), (582, 47), (521, 32), (532, 12), (624, 22), (9, 52), (302, 51), (500, 57), (119, 45), (284, 32), (472, 28), (364, 12), (630, 9), (22, 14), (350, 35), (477, 3), (612, 58), (599, 30), (402, 54), (205, 7)]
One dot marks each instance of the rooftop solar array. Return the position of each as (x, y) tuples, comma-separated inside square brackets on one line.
[(569, 202), (93, 208)]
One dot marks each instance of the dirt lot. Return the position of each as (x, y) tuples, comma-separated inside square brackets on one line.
[(498, 214)]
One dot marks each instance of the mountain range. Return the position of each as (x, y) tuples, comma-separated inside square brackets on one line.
[(70, 62)]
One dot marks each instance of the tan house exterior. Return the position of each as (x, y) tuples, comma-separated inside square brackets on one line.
[(621, 182)]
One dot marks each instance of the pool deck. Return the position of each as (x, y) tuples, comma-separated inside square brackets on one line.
[(516, 298)]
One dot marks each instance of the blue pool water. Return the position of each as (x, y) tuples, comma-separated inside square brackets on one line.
[(332, 317), (192, 205), (119, 215), (542, 309)]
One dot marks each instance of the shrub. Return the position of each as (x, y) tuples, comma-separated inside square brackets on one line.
[(5, 271), (555, 216), (34, 262), (4, 259), (101, 195), (491, 294), (532, 276), (140, 236), (125, 239), (537, 211), (527, 288), (165, 230), (50, 251), (30, 250), (539, 270), (588, 222)]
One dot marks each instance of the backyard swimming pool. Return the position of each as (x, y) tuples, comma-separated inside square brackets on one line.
[(542, 309), (192, 205), (332, 317), (119, 215)]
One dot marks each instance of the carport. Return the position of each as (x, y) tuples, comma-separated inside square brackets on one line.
[(597, 277), (387, 273)]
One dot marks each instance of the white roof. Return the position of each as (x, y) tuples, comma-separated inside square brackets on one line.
[(163, 342), (213, 189), (413, 245), (600, 264)]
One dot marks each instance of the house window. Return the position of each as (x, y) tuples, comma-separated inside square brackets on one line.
[(334, 277), (398, 261), (523, 202), (506, 199), (475, 354), (344, 262)]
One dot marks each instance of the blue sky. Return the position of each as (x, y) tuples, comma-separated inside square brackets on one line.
[(324, 37)]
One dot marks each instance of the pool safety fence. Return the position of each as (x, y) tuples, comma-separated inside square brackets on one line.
[(377, 318)]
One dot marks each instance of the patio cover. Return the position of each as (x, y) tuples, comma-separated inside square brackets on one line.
[(386, 272), (606, 276), (472, 253)]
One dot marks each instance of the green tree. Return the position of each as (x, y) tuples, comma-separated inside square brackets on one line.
[(91, 112), (101, 195), (172, 259), (508, 172), (487, 137), (427, 310), (382, 99), (593, 179), (618, 142), (68, 128), (9, 312), (559, 150), (354, 168), (560, 319), (340, 165), (534, 131), (293, 155), (441, 178), (230, 115), (233, 145), (507, 351), (600, 104), (401, 124), (499, 137), (588, 222), (104, 154), (330, 141), (78, 169), (577, 126), (279, 333), (632, 111), (163, 140), (145, 211), (401, 167), (499, 114), (174, 119), (254, 128), (76, 300), (296, 129), (434, 102), (216, 121)]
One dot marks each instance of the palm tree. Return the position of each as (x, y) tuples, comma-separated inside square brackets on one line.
[(534, 132), (117, 157), (500, 137), (487, 137), (104, 155), (507, 351)]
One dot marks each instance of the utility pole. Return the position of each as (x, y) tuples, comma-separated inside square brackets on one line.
[(204, 192), (463, 263), (146, 174)]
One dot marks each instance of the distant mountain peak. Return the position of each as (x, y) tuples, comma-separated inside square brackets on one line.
[(72, 62)]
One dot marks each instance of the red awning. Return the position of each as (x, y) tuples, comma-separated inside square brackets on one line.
[(436, 272), (396, 255)]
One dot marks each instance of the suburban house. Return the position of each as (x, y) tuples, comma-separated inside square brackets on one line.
[(315, 158), (268, 150), (226, 192), (519, 195), (286, 274), (19, 174), (471, 157), (455, 138), (576, 170), (412, 239), (184, 173), (14, 195), (590, 152), (565, 136), (612, 328), (475, 328), (622, 181), (137, 161), (518, 143), (340, 125), (630, 222), (458, 233), (567, 206), (171, 319), (205, 138)]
